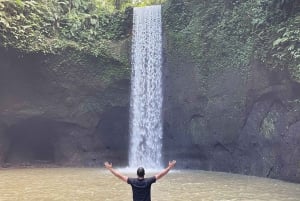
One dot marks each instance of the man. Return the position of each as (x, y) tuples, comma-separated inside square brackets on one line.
[(141, 187)]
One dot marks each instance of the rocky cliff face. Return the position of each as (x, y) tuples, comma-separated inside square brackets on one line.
[(228, 113), (231, 124), (69, 109)]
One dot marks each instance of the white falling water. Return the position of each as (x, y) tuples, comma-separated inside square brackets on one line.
[(146, 89)]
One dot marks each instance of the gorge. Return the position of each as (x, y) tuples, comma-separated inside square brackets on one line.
[(229, 103)]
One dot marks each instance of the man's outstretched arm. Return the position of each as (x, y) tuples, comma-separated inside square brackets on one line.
[(114, 172), (166, 170)]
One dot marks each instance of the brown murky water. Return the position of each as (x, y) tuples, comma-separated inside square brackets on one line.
[(98, 184)]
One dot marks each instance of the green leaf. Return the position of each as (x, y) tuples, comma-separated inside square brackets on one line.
[(279, 40), (93, 21), (291, 47), (5, 22)]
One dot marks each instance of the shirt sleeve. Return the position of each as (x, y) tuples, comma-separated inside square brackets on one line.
[(129, 181), (152, 179)]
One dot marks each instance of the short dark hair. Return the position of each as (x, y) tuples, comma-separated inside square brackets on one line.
[(140, 172)]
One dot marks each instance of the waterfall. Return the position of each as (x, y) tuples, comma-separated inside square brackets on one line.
[(146, 89)]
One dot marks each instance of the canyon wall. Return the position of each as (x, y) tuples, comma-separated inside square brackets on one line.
[(62, 109)]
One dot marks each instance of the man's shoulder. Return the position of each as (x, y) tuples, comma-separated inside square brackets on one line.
[(130, 180), (151, 179), (137, 180)]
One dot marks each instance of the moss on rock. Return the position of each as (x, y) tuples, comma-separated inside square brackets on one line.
[(268, 125)]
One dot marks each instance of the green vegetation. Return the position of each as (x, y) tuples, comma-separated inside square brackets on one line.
[(50, 26), (220, 34), (217, 34), (140, 3), (90, 33)]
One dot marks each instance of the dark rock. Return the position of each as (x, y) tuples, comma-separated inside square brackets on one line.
[(51, 106), (233, 121)]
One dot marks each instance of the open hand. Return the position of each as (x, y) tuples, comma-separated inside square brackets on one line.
[(108, 165), (172, 163)]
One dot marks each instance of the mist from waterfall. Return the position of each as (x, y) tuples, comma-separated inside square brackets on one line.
[(146, 89)]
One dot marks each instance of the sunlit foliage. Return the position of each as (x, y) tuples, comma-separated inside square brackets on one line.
[(53, 25), (220, 34)]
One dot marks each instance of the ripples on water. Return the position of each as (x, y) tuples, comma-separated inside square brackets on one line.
[(99, 185)]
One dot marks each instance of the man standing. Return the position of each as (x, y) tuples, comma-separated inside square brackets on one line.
[(141, 187)]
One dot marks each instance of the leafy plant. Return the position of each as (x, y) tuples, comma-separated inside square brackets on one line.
[(220, 34), (51, 26)]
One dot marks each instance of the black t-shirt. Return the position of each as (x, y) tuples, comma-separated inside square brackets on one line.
[(141, 188)]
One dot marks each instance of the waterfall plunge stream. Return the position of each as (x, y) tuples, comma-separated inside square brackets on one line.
[(146, 89)]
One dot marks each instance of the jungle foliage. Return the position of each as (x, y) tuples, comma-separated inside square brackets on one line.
[(216, 33), (76, 30), (219, 34), (50, 26)]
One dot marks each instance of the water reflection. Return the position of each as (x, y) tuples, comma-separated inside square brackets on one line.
[(98, 184)]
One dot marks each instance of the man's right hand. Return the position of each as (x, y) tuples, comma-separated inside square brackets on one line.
[(166, 170), (172, 163)]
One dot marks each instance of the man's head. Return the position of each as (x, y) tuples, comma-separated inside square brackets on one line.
[(140, 172)]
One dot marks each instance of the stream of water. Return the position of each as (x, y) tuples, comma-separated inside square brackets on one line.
[(75, 184), (146, 89)]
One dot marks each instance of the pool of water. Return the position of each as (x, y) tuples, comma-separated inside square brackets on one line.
[(87, 184)]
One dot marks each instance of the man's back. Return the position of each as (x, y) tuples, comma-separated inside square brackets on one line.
[(141, 188)]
